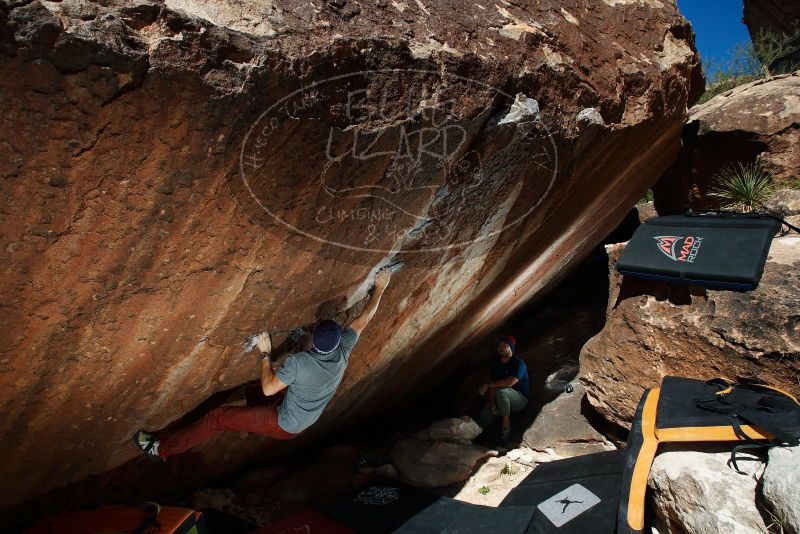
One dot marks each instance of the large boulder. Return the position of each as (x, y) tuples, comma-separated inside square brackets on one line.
[(779, 487), (562, 430), (177, 176), (437, 463), (785, 203), (776, 16), (694, 490), (654, 329), (755, 122), (779, 18)]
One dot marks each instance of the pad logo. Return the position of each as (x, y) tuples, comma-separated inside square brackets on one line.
[(689, 247), (378, 495), (568, 504)]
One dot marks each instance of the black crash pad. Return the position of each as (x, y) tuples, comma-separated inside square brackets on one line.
[(450, 516), (381, 506), (386, 505), (768, 409), (576, 495), (715, 250)]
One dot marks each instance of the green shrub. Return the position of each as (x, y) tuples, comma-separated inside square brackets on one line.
[(742, 187), (483, 490), (771, 47), (742, 66)]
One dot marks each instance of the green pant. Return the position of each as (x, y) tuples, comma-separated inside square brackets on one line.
[(507, 401)]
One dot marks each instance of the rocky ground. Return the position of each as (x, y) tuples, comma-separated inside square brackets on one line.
[(442, 458)]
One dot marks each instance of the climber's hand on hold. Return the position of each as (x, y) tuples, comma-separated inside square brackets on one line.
[(264, 343), (382, 278), (482, 389), (381, 281)]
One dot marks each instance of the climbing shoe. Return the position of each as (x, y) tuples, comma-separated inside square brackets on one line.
[(505, 436), (148, 444)]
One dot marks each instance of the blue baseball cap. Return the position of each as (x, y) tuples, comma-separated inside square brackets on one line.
[(326, 337)]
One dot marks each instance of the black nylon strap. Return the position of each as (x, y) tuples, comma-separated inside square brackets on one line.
[(749, 443), (720, 383), (727, 213), (791, 226), (737, 429), (746, 412), (735, 458)]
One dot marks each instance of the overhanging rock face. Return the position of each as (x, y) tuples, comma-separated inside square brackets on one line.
[(180, 175)]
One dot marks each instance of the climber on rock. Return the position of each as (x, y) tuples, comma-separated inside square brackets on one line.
[(507, 387), (300, 389)]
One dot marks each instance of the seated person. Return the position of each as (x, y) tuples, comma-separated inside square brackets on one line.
[(507, 387)]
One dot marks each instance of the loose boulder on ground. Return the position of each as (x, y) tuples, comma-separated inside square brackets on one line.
[(694, 490), (437, 463), (457, 429), (780, 485), (785, 203), (561, 430)]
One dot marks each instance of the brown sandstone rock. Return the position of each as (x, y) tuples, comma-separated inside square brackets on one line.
[(655, 329), (785, 203), (779, 17), (753, 122), (774, 15), (135, 259)]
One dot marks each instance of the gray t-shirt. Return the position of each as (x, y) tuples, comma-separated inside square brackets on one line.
[(312, 379)]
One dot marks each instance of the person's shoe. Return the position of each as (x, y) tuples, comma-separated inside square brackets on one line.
[(505, 436), (148, 444)]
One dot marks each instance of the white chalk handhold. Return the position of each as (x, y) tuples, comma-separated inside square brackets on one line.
[(591, 116), (523, 108)]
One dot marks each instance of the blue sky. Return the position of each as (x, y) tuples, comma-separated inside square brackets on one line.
[(717, 24)]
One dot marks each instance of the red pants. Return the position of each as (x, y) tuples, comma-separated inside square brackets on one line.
[(262, 420)]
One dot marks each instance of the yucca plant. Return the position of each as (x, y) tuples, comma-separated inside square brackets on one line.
[(742, 187)]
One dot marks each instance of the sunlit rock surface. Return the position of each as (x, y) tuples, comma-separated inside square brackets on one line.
[(755, 122)]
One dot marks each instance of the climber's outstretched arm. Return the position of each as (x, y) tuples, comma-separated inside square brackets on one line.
[(270, 383), (381, 281)]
